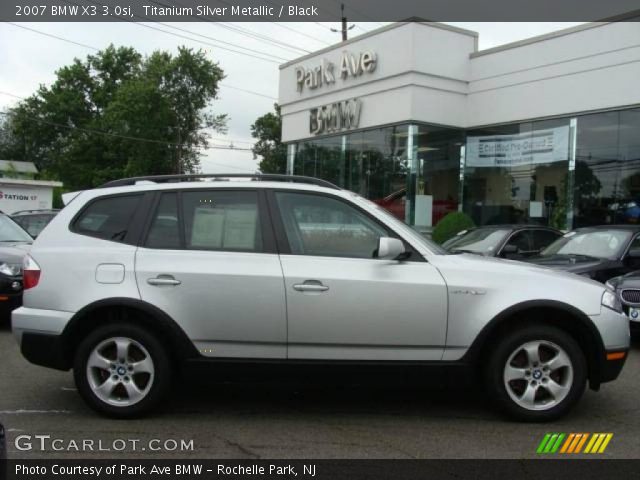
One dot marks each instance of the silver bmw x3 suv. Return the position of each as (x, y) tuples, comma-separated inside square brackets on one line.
[(132, 282)]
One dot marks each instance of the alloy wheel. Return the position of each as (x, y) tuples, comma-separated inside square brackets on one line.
[(120, 371), (538, 375)]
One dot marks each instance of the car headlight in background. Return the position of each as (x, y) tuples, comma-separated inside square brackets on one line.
[(611, 300), (10, 269)]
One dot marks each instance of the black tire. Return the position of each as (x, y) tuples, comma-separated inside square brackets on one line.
[(506, 345), (160, 382)]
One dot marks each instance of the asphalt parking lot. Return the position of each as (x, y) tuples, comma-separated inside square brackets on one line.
[(252, 422)]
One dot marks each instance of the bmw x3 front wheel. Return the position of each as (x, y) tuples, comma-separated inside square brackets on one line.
[(536, 373)]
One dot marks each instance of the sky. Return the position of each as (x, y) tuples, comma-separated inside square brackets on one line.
[(29, 58)]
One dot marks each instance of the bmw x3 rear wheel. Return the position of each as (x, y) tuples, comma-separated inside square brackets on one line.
[(537, 373), (122, 370)]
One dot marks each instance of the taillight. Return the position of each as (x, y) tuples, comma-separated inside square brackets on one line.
[(30, 273)]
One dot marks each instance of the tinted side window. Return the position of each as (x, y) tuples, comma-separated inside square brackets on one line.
[(543, 238), (521, 240), (323, 226), (635, 244), (164, 231), (221, 220), (108, 218)]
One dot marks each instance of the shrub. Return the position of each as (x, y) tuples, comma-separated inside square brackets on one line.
[(450, 225)]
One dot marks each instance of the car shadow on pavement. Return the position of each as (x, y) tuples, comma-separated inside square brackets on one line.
[(273, 396)]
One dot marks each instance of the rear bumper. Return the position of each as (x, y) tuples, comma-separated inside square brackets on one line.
[(39, 334), (45, 350)]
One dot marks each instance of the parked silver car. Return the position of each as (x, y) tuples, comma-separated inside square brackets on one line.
[(135, 279)]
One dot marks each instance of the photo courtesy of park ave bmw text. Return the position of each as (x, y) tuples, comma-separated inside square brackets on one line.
[(319, 239)]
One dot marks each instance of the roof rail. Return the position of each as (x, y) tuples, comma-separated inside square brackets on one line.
[(220, 176)]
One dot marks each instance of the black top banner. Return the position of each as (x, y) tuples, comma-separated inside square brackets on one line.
[(316, 10)]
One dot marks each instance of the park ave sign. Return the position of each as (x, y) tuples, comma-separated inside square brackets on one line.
[(324, 74)]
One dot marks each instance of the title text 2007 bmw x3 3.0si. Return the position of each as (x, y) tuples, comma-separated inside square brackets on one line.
[(134, 279)]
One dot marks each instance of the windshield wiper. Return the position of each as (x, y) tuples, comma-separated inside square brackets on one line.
[(573, 256), (16, 241)]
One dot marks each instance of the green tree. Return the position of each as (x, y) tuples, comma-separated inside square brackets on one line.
[(268, 130), (452, 224), (117, 114)]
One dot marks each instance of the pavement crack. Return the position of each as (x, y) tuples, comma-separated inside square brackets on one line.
[(240, 447)]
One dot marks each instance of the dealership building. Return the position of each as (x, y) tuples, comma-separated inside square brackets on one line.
[(415, 117)]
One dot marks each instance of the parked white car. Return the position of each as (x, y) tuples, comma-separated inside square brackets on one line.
[(134, 279)]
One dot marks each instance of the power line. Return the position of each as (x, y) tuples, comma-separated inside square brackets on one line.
[(126, 137), (53, 36), (301, 33), (261, 37), (249, 91), (254, 54), (97, 49), (240, 30), (275, 60)]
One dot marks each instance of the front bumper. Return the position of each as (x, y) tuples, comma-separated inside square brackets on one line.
[(612, 365), (10, 294), (613, 328)]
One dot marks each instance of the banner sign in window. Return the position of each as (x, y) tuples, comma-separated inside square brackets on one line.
[(539, 146)]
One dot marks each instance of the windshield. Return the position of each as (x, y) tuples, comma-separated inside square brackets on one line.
[(34, 223), (598, 244), (401, 226), (10, 231), (480, 240)]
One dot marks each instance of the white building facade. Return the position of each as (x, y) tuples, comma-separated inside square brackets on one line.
[(414, 117), (19, 190)]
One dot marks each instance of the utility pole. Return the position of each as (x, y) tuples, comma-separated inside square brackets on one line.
[(344, 29)]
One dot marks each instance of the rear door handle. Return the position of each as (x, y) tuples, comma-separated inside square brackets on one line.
[(311, 286), (163, 280)]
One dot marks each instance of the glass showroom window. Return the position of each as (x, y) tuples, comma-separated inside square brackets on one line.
[(437, 156), (519, 173), (607, 175), (372, 163)]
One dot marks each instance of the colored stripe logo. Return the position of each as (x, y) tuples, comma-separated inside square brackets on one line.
[(574, 443)]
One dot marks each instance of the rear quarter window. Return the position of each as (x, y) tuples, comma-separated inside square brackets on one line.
[(107, 218)]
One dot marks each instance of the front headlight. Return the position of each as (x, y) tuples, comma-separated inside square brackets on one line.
[(611, 300), (10, 269)]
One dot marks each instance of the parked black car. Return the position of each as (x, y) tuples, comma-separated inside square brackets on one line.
[(600, 253), (628, 289), (14, 244), (34, 221), (515, 241)]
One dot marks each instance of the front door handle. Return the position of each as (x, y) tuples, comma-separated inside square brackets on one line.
[(311, 286), (163, 280)]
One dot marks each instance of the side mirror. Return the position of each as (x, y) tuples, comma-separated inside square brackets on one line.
[(391, 249), (510, 250), (634, 254)]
